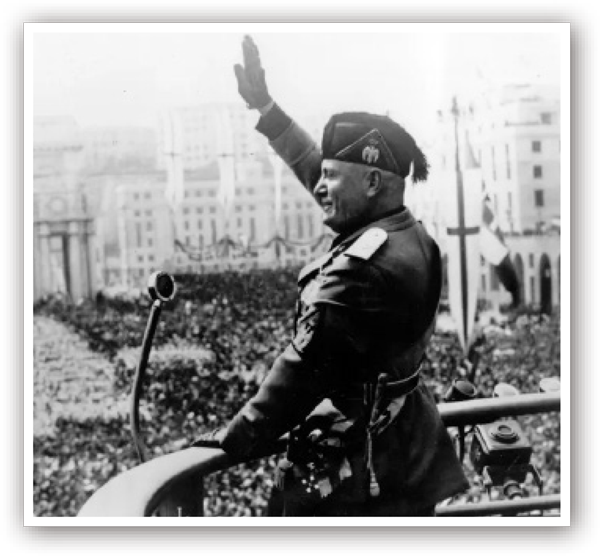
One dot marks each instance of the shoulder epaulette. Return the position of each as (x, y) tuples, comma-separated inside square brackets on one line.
[(367, 244)]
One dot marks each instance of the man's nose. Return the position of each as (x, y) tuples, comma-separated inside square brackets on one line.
[(320, 190)]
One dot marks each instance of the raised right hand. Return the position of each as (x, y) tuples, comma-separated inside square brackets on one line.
[(251, 77)]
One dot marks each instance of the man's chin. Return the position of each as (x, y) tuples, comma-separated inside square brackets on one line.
[(330, 222)]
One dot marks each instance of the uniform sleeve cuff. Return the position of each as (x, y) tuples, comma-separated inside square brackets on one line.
[(273, 123)]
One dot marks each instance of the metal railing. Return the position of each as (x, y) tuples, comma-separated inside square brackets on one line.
[(172, 485)]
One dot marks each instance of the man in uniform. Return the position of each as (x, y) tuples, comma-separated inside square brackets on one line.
[(365, 434)]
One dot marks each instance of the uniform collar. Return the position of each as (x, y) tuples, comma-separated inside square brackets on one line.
[(398, 219)]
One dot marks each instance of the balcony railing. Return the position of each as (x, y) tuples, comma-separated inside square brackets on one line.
[(171, 485)]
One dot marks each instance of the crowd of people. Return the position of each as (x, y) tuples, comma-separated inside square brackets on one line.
[(214, 344)]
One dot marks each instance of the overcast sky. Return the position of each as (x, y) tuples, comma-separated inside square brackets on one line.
[(125, 78)]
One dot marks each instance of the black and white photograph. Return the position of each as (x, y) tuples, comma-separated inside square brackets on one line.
[(312, 271)]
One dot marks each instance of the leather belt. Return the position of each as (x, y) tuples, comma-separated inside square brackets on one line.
[(402, 387), (392, 390)]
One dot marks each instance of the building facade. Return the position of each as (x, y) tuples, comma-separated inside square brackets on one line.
[(100, 199), (64, 234), (119, 149), (511, 139)]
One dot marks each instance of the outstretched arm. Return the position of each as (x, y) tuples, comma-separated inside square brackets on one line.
[(288, 139)]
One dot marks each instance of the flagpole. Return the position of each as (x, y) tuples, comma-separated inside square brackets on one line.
[(464, 279)]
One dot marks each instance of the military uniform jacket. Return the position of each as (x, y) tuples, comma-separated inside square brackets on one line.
[(366, 307)]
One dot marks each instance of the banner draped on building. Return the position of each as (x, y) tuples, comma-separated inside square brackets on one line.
[(495, 251), (226, 161), (277, 164), (173, 152)]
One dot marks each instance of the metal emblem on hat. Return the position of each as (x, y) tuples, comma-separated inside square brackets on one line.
[(370, 153)]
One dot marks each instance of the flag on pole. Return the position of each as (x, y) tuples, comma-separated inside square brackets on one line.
[(225, 160), (463, 223), (173, 151), (495, 251)]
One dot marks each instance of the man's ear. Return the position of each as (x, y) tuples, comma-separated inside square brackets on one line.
[(374, 181)]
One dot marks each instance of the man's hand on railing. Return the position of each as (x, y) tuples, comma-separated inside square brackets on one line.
[(210, 439)]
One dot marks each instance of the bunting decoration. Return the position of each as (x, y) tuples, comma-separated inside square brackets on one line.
[(227, 248)]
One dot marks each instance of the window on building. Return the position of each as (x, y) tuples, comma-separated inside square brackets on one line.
[(300, 222), (537, 171), (149, 226), (140, 258), (539, 197), (286, 226), (199, 210), (186, 210), (546, 117), (186, 225), (213, 225), (136, 196), (213, 210), (250, 191), (536, 146), (531, 260), (151, 258), (238, 209), (198, 193), (239, 223), (138, 234), (311, 226), (150, 242), (252, 228), (137, 213), (532, 289), (148, 195), (148, 212), (483, 283)]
